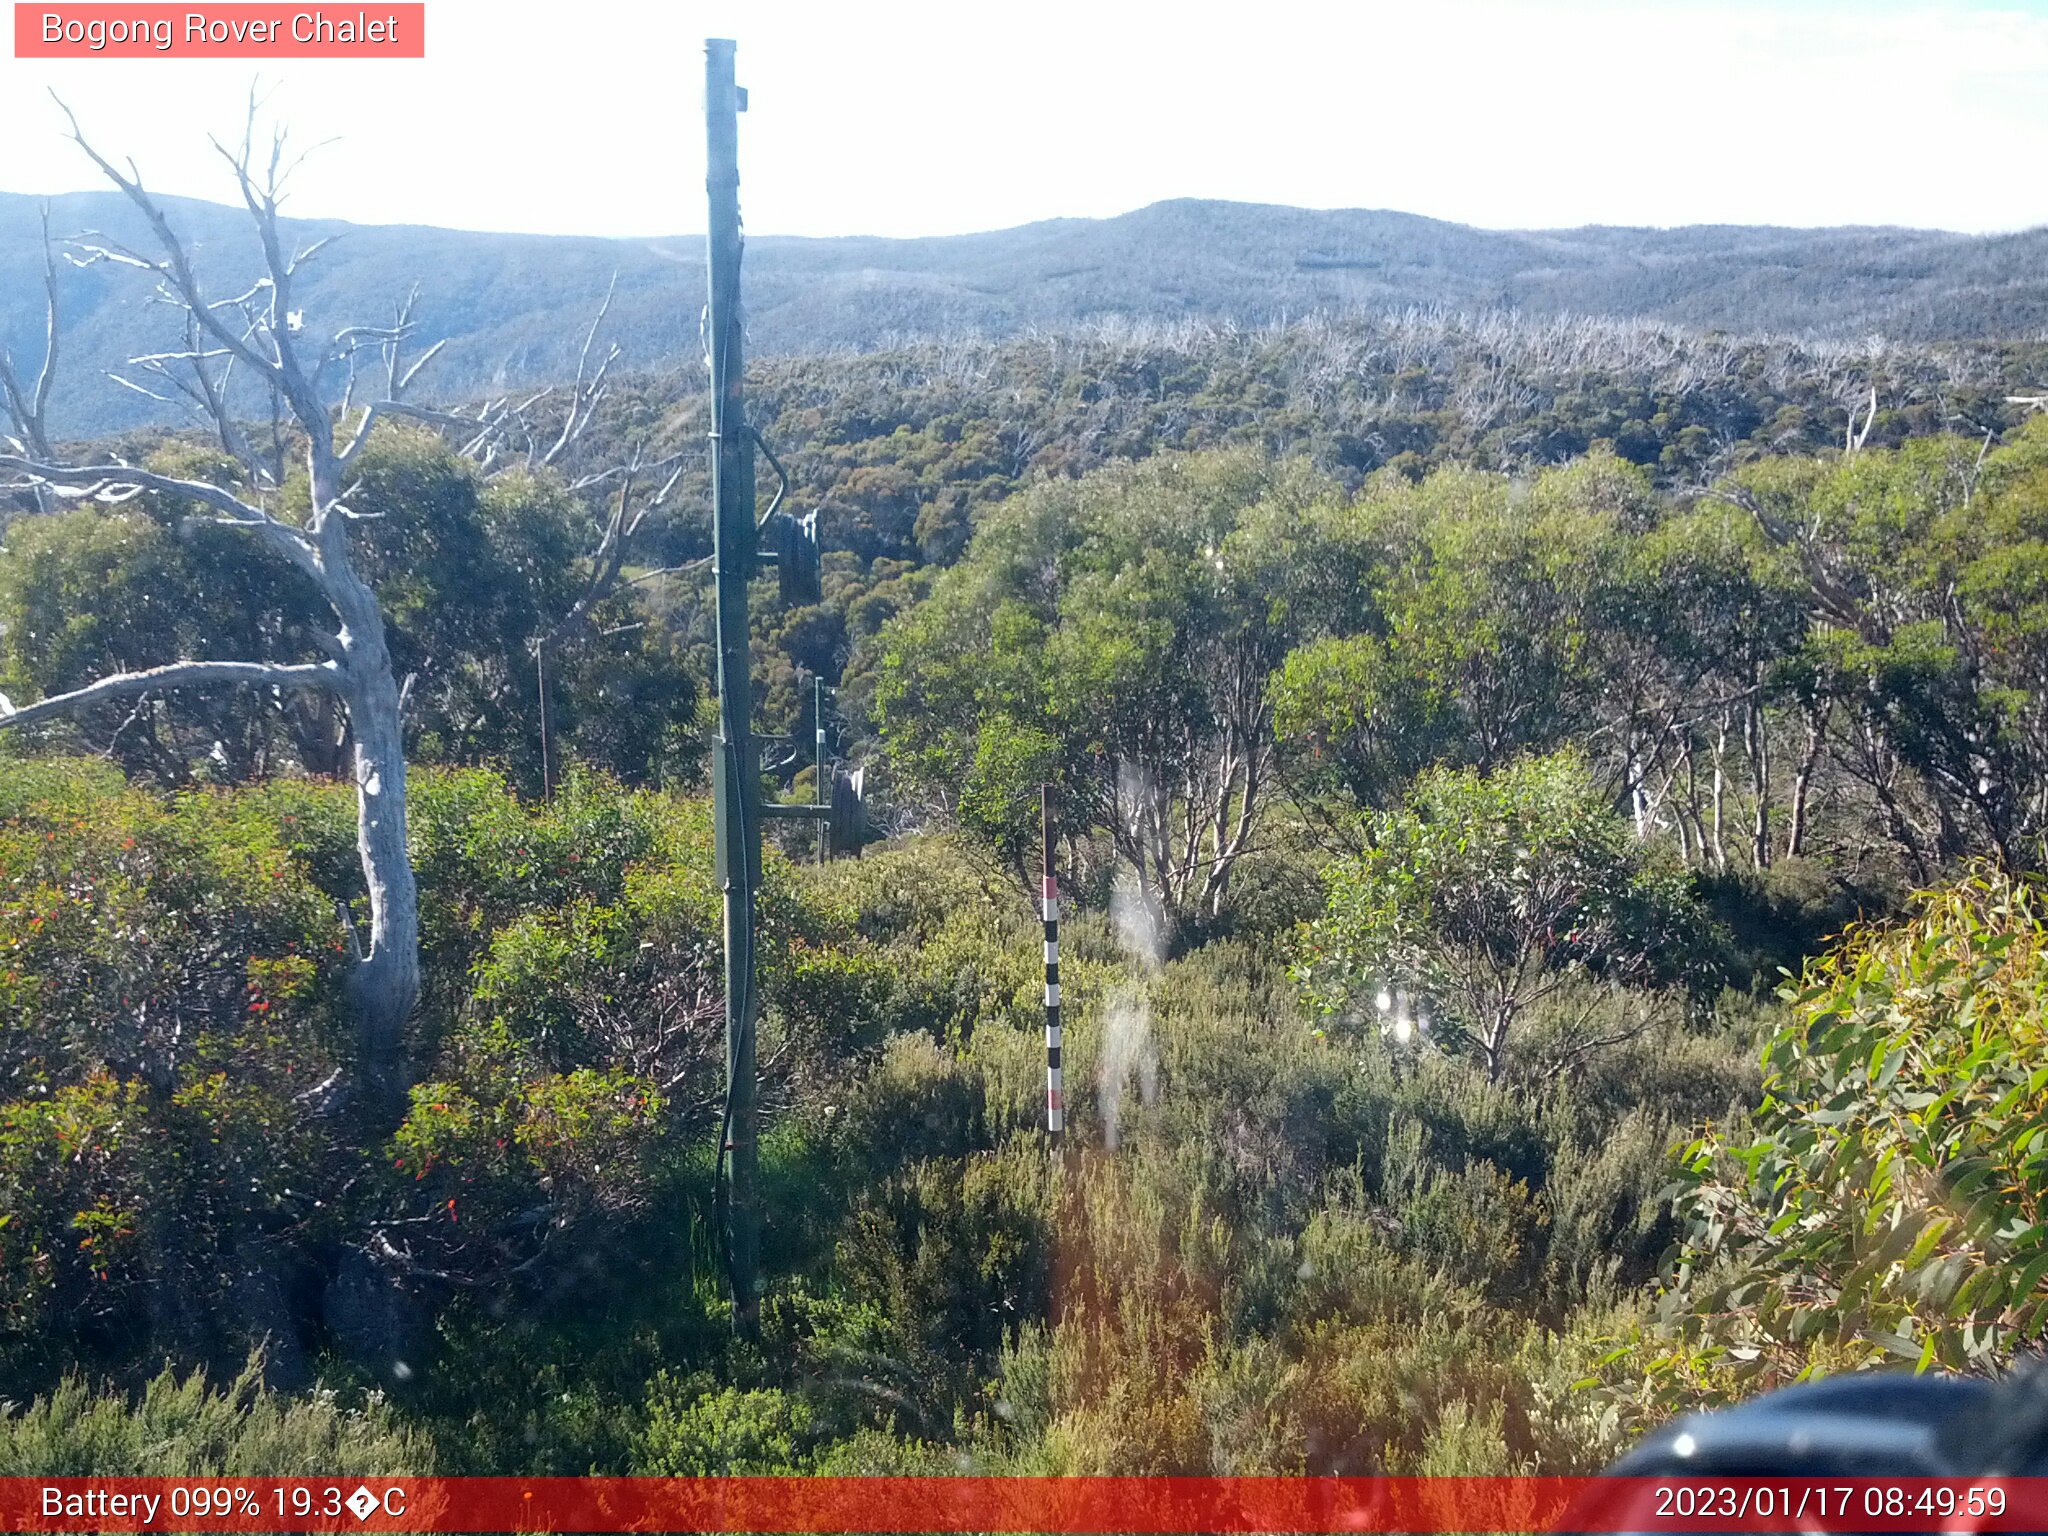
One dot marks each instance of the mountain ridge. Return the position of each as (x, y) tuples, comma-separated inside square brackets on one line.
[(514, 307)]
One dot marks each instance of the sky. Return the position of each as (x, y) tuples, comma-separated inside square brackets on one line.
[(914, 118)]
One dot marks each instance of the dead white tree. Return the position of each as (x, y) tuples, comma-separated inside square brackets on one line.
[(259, 335), (251, 374), (28, 405), (1855, 437)]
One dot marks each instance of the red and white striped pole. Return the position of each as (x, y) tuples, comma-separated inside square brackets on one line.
[(1049, 894)]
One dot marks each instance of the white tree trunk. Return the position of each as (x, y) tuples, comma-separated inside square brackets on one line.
[(387, 979)]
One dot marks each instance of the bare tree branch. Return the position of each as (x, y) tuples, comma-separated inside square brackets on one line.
[(110, 481), (585, 394), (29, 408), (179, 674), (175, 267)]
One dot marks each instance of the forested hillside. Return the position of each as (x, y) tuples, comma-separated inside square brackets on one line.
[(1550, 810), (500, 299)]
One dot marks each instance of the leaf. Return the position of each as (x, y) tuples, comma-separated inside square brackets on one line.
[(1901, 1345), (2029, 1280), (1932, 1234)]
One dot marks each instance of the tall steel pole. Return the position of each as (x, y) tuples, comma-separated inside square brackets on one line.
[(736, 778)]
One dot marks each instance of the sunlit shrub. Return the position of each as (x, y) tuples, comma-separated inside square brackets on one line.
[(920, 1101), (1887, 1204), (956, 1252), (724, 1432), (508, 1170), (169, 985), (187, 1427)]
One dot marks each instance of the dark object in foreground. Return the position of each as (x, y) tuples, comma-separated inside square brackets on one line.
[(1888, 1425), (1879, 1425)]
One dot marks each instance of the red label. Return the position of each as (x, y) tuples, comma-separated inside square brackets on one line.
[(233, 31), (1152, 1506)]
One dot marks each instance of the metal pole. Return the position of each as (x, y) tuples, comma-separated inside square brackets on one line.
[(820, 791), (1049, 893), (736, 778), (540, 670)]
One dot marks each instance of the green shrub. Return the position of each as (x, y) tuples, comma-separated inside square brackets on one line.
[(1775, 919), (502, 1170), (1887, 1204), (1487, 894), (955, 936), (919, 1101), (724, 1432), (956, 1252), (484, 858), (190, 1428), (1309, 1251), (168, 981)]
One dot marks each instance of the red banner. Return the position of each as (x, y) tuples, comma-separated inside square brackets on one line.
[(226, 31), (1049, 1504)]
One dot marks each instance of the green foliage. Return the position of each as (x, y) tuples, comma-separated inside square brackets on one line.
[(1110, 637), (1918, 563), (1349, 1357), (1487, 895), (948, 930), (190, 1428), (1886, 1204), (1546, 704), (168, 978), (512, 1167), (1299, 1258), (173, 1175), (470, 576), (956, 1253), (1011, 763), (1773, 919), (511, 888), (725, 1433), (1480, 630), (84, 593), (919, 1101)]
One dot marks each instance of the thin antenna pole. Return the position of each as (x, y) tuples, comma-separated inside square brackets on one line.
[(736, 777), (1049, 895), (540, 667), (819, 792)]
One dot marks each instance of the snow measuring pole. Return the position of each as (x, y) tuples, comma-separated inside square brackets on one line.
[(738, 804), (1049, 907)]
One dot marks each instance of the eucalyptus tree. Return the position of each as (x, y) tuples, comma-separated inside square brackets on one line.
[(1114, 637), (1489, 901), (1487, 623), (1920, 571)]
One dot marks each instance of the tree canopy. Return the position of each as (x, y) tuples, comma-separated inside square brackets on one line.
[(1112, 637), (1487, 899)]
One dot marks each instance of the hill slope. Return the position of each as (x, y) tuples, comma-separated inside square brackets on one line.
[(513, 304)]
